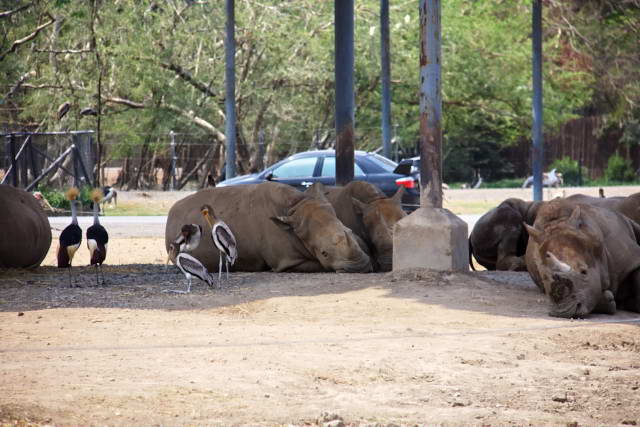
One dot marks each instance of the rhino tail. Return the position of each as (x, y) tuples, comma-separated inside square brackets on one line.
[(636, 229), (471, 256)]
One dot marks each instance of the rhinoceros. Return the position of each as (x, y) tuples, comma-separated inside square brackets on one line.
[(366, 210), (585, 258), (276, 227), (25, 229), (498, 240)]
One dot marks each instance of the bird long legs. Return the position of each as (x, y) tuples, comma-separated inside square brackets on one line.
[(100, 275), (177, 291), (226, 263)]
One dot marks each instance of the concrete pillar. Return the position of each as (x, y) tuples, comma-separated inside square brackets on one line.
[(431, 237)]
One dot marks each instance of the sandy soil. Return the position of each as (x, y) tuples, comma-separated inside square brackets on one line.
[(267, 348)]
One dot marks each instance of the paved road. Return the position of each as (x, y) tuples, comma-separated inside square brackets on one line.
[(148, 226)]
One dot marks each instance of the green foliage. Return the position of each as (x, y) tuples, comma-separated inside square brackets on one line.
[(57, 199), (570, 170), (619, 169)]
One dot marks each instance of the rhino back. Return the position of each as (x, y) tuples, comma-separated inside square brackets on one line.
[(247, 210), (25, 229)]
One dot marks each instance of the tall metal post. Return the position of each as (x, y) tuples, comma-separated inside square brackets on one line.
[(430, 105), (538, 143), (14, 163), (385, 71), (344, 63), (174, 158), (230, 89)]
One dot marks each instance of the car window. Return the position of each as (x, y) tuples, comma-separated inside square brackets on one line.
[(296, 168), (329, 168), (386, 164)]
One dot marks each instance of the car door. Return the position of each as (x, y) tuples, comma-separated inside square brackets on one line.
[(327, 174), (298, 172)]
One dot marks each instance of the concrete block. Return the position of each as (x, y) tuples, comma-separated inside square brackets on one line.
[(431, 238)]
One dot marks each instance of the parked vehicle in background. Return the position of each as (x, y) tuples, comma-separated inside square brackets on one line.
[(304, 169)]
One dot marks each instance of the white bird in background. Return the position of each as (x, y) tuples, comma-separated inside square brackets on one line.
[(222, 237)]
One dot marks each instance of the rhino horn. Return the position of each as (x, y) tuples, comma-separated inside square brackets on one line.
[(397, 197), (534, 233), (558, 265), (316, 191)]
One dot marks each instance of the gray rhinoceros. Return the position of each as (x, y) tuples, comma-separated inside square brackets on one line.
[(25, 229), (276, 227), (498, 240), (366, 210), (586, 258)]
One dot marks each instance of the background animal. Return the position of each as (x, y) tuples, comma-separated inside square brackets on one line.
[(276, 227), (24, 227), (585, 258), (371, 215), (549, 179)]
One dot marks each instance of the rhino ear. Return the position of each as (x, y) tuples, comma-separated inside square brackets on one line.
[(575, 219), (358, 206), (316, 191), (398, 196), (284, 222), (534, 233)]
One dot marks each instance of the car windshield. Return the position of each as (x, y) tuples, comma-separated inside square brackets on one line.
[(387, 164), (329, 168)]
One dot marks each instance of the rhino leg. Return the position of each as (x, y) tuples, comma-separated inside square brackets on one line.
[(607, 304), (508, 249)]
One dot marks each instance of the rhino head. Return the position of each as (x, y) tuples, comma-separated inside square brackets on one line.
[(572, 268), (313, 220), (378, 217)]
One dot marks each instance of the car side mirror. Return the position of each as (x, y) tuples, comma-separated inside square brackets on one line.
[(269, 176)]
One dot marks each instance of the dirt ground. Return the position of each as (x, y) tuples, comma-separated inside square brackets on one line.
[(266, 348)]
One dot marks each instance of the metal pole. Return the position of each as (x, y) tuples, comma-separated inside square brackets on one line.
[(344, 63), (430, 105), (538, 143), (385, 63), (172, 181), (230, 90), (14, 163), (260, 159)]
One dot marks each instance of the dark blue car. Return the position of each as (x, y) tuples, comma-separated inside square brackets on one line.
[(304, 169)]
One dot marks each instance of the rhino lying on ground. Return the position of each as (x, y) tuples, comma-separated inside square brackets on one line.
[(366, 210), (586, 258), (25, 229), (276, 227), (498, 240)]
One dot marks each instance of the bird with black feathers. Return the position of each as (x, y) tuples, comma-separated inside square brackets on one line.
[(223, 238), (187, 241), (71, 236), (190, 267), (97, 237)]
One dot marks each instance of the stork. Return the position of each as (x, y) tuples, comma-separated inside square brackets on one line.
[(97, 238), (222, 237), (110, 195), (187, 241), (63, 109), (71, 236), (190, 267)]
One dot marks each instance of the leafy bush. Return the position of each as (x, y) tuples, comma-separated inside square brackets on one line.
[(570, 170), (57, 200), (619, 169)]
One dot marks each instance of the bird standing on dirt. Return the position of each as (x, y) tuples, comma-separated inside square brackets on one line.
[(187, 241), (97, 237), (222, 237), (190, 267), (110, 195), (71, 236)]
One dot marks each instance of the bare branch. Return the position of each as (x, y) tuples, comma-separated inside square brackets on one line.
[(20, 82), (186, 76), (8, 13), (30, 37), (123, 101), (59, 52)]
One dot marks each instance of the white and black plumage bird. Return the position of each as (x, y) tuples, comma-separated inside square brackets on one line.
[(190, 267), (223, 238), (88, 111), (97, 238), (187, 241), (71, 236), (110, 196)]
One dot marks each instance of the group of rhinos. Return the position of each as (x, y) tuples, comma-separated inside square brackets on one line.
[(582, 251), (278, 228)]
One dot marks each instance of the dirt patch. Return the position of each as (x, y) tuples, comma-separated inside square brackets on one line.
[(273, 348)]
